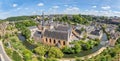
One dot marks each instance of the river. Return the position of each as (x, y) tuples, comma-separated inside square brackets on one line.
[(94, 49), (26, 43)]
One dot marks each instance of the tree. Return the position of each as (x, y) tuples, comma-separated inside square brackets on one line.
[(68, 50), (40, 50), (108, 58), (55, 52), (65, 49), (118, 41), (27, 55), (41, 58), (51, 59), (112, 53), (77, 48), (16, 56), (78, 59), (103, 58), (26, 32)]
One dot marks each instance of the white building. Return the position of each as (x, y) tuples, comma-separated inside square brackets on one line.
[(33, 29)]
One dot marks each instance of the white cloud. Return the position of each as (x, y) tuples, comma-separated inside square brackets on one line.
[(18, 8), (34, 12), (94, 6), (55, 7), (101, 13), (4, 15), (26, 8), (66, 5), (41, 4), (105, 7), (72, 10), (15, 5)]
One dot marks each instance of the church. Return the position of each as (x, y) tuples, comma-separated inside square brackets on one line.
[(55, 34)]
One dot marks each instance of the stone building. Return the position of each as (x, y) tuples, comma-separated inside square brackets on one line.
[(113, 38), (33, 29), (96, 34), (59, 35)]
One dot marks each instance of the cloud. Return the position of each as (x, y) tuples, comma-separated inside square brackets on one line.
[(40, 4), (66, 5), (26, 8), (15, 5), (101, 12), (55, 7), (4, 15), (94, 6), (72, 10), (18, 8), (105, 7)]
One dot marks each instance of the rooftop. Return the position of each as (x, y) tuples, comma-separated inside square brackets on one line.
[(56, 34), (96, 32)]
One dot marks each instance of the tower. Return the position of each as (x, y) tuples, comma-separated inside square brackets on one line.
[(42, 18)]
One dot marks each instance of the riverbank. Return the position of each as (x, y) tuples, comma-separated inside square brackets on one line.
[(84, 57)]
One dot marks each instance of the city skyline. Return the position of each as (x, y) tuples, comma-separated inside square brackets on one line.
[(35, 7)]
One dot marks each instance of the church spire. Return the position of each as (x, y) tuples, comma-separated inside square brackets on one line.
[(42, 18)]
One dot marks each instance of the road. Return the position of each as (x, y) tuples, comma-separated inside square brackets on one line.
[(3, 53)]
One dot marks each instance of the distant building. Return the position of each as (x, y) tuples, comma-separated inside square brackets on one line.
[(96, 34), (33, 29), (113, 38)]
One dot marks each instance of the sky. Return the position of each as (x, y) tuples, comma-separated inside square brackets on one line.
[(10, 8)]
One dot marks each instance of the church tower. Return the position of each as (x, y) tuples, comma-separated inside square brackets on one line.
[(42, 18)]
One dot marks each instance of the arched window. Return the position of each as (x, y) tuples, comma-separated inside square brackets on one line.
[(46, 40), (59, 41), (63, 42), (50, 40), (54, 41)]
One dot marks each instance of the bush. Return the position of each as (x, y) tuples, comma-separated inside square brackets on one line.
[(16, 56), (8, 51), (78, 59), (51, 59), (27, 55), (55, 52)]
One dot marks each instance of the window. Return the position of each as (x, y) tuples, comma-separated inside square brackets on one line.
[(46, 40), (54, 41), (63, 42), (50, 40), (59, 41)]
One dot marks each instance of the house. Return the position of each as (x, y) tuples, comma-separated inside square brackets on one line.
[(96, 34), (37, 36), (113, 38), (33, 29)]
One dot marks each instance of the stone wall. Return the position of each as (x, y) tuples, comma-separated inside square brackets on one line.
[(51, 41)]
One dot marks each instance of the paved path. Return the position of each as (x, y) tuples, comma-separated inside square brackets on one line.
[(84, 57), (3, 53)]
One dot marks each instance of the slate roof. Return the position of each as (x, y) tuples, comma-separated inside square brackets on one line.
[(37, 34), (78, 31), (61, 35), (96, 32), (62, 28), (32, 27)]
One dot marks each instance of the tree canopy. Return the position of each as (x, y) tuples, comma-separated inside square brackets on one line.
[(40, 50), (55, 52)]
